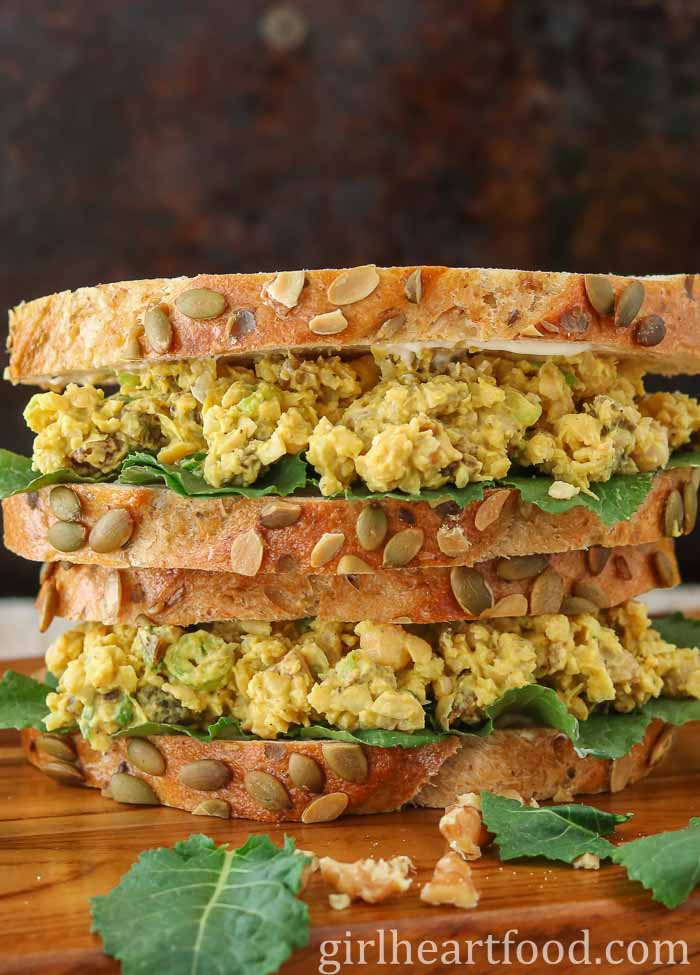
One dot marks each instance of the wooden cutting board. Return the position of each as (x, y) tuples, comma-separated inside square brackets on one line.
[(61, 846)]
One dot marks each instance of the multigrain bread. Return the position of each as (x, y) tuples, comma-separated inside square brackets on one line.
[(184, 597), (229, 535), (102, 328), (260, 780)]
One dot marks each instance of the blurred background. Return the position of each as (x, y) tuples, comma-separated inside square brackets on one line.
[(170, 137)]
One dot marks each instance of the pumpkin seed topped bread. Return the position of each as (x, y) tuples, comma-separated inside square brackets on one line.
[(340, 540)]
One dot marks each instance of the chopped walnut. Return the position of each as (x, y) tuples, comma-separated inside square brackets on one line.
[(339, 902), (463, 828), (451, 883), (587, 861), (370, 880)]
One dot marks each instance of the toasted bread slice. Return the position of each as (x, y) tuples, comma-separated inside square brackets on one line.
[(226, 534), (260, 782), (92, 330), (184, 597)]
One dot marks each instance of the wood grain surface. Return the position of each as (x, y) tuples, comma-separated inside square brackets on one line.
[(61, 846)]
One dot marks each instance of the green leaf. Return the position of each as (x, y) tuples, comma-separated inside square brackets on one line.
[(611, 735), (536, 701), (283, 478), (684, 458), (377, 737), (556, 832), (673, 710), (22, 701), (667, 864), (615, 500), (17, 475), (198, 909), (679, 630)]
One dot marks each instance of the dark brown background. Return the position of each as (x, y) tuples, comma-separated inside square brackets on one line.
[(171, 137)]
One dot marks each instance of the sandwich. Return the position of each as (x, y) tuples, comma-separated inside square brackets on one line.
[(341, 541)]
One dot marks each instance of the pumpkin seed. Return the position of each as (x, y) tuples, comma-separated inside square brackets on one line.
[(600, 293), (575, 605), (128, 788), (330, 323), (286, 288), (247, 553), (267, 790), (346, 759), (597, 558), (132, 346), (403, 547), (688, 285), (112, 597), (390, 326), (325, 808), (621, 567), (452, 541), (521, 567), (620, 772), (413, 288), (201, 303), (56, 747), (213, 807), (628, 304), (240, 323), (305, 773), (649, 331), (275, 751), (371, 527), (673, 515), (65, 503), (513, 605), (112, 531), (547, 593), (575, 321), (352, 565), (661, 746), (490, 509), (471, 590), (353, 285), (664, 569), (326, 548), (64, 772), (47, 604), (591, 592), (690, 507), (145, 756), (280, 514), (158, 329), (205, 775), (66, 536)]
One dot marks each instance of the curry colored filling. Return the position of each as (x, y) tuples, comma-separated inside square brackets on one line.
[(275, 676), (396, 422)]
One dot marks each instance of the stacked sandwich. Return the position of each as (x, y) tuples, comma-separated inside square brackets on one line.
[(339, 541)]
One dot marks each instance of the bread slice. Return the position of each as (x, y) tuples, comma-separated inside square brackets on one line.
[(538, 763), (74, 334), (185, 597), (226, 534)]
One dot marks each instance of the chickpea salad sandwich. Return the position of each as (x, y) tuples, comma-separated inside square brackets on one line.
[(340, 541)]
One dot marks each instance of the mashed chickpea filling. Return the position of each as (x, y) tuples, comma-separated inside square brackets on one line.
[(394, 421), (274, 677)]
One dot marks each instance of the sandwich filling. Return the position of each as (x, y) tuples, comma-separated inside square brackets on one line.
[(275, 677), (393, 421)]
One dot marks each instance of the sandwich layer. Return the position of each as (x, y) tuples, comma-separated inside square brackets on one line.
[(154, 527), (656, 319), (272, 679), (579, 580), (302, 781)]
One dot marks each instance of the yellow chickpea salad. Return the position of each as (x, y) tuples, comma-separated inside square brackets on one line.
[(394, 420), (274, 677)]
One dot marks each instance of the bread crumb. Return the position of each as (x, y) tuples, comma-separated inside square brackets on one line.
[(368, 880), (587, 861), (451, 883), (563, 491), (339, 902)]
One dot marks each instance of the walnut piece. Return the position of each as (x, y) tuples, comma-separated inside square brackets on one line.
[(587, 861), (368, 880), (451, 883), (339, 902), (463, 828)]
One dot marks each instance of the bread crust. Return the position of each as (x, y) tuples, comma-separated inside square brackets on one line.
[(194, 533), (537, 763), (93, 328), (184, 597)]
